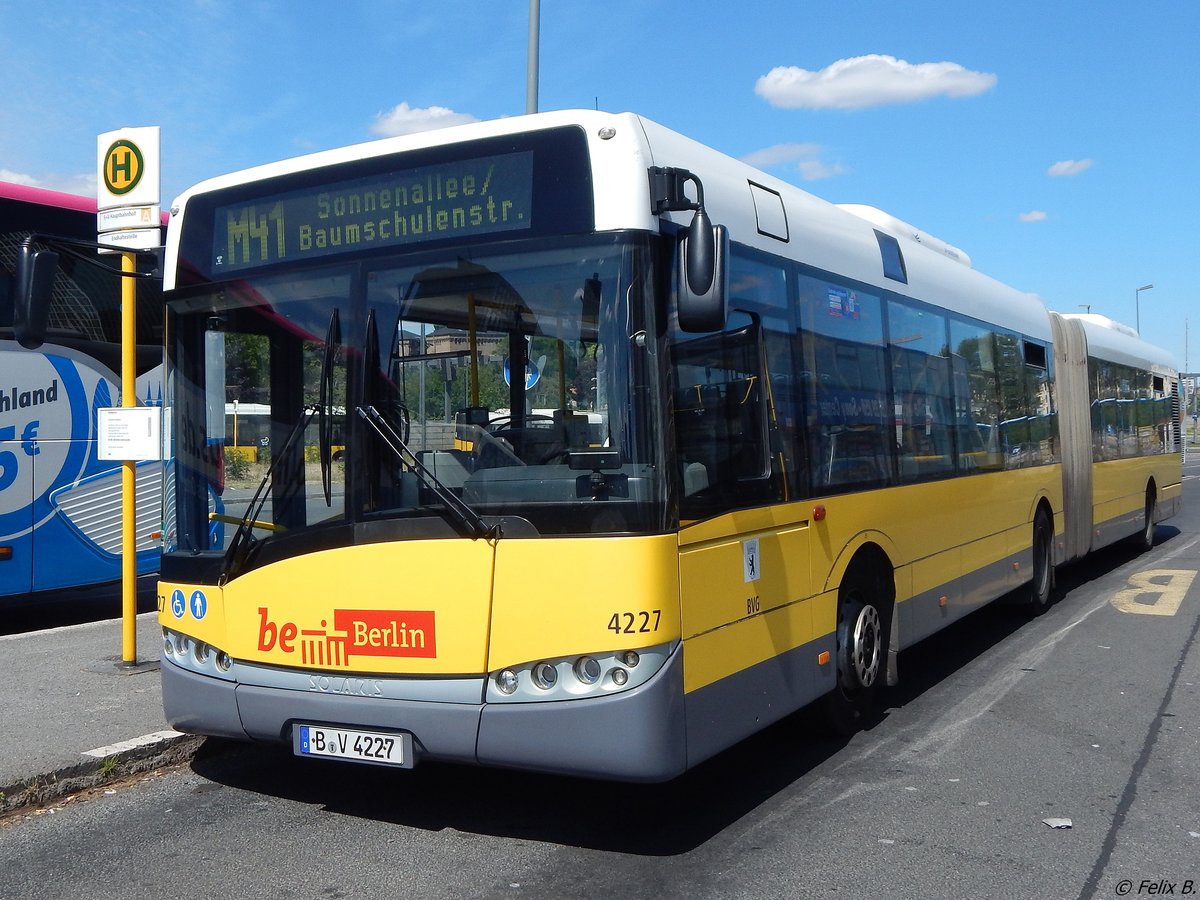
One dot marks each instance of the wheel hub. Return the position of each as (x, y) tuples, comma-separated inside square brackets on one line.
[(866, 646)]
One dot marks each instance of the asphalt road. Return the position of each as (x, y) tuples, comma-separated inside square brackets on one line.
[(1090, 713)]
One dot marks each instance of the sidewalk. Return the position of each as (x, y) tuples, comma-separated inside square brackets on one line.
[(72, 717)]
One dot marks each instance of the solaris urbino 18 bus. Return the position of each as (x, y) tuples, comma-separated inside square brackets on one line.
[(619, 485), (60, 505)]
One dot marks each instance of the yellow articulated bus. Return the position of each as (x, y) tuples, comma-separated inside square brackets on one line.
[(644, 449)]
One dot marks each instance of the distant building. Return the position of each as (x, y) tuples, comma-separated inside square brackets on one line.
[(456, 340)]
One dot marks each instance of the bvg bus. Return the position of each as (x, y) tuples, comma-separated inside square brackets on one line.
[(775, 442), (60, 506)]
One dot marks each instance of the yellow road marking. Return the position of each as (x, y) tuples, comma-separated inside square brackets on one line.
[(1166, 596)]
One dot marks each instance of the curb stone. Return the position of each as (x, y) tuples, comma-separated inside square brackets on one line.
[(96, 772)]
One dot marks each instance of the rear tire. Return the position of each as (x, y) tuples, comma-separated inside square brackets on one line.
[(1145, 539), (863, 629), (1042, 583)]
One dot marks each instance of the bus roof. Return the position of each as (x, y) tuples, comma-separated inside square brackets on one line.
[(1119, 343), (43, 197), (760, 210)]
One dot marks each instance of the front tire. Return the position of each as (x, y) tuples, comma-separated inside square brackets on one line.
[(863, 628)]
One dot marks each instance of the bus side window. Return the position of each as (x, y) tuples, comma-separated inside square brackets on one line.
[(721, 419), (922, 401)]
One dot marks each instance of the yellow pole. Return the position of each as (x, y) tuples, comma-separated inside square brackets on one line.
[(128, 467)]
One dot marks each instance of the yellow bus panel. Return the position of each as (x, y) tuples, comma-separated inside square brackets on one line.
[(726, 580), (559, 597), (414, 608), (717, 654)]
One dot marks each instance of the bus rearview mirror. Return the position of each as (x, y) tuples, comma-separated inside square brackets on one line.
[(703, 276), (34, 283)]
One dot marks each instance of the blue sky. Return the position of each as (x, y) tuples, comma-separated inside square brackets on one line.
[(1054, 142)]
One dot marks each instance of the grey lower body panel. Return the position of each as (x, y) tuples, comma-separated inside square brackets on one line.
[(926, 613), (727, 711), (637, 735), (203, 705), (1118, 528), (1167, 507)]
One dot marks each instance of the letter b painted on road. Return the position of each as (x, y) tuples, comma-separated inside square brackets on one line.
[(1146, 596)]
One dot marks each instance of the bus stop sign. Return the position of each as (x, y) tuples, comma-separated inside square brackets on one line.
[(127, 188), (127, 161)]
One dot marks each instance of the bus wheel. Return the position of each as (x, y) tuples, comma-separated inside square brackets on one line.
[(862, 640), (1145, 539), (1043, 567)]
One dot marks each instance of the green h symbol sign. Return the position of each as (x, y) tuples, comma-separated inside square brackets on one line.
[(123, 165)]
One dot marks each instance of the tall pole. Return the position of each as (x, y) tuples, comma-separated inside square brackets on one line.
[(531, 81), (127, 182), (128, 467), (1137, 306)]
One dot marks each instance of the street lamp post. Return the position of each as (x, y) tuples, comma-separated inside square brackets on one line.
[(531, 76), (1137, 307)]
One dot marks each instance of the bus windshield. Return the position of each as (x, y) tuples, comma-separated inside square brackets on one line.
[(522, 382)]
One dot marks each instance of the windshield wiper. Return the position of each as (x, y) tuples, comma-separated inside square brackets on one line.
[(242, 537), (333, 337), (466, 516)]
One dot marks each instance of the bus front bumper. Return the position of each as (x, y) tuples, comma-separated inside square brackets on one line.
[(636, 735)]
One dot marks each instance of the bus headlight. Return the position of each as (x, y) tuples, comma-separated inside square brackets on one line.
[(587, 670), (577, 677), (506, 681), (545, 676), (196, 656)]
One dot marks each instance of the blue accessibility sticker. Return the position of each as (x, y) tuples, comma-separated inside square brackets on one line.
[(199, 604), (178, 607)]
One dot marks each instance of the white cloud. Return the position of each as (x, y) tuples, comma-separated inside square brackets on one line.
[(405, 119), (18, 178), (1034, 215), (780, 154), (82, 185), (806, 157), (1068, 167), (864, 81), (815, 170)]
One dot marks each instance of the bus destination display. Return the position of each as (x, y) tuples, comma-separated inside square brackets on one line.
[(469, 197)]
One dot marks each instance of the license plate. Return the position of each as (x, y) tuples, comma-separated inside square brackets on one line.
[(381, 748)]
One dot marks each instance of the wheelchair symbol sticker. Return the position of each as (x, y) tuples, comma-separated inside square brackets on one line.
[(178, 608)]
